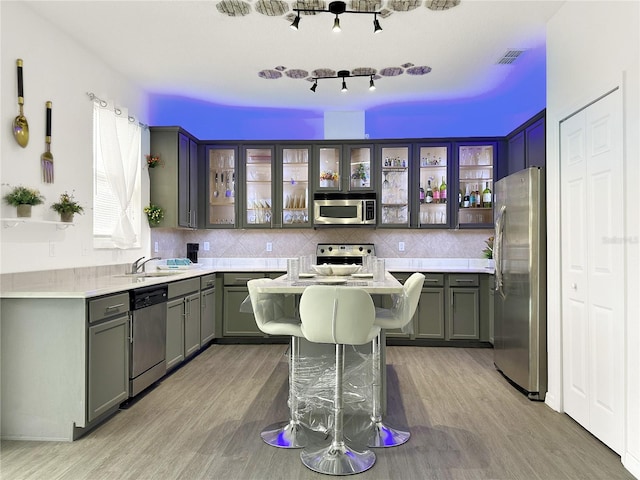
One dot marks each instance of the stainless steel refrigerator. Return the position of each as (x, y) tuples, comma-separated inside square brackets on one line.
[(520, 313)]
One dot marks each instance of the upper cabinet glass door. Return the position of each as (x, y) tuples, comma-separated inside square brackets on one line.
[(328, 174), (295, 186), (394, 186), (359, 174), (475, 176), (259, 187), (221, 186), (433, 192)]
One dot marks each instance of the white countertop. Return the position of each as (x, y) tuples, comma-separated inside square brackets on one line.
[(87, 286)]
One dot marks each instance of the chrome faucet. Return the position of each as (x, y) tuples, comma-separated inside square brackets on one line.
[(136, 266)]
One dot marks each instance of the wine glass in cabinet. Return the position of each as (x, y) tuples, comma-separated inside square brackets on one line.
[(433, 192), (295, 186), (258, 178), (328, 173), (475, 179), (393, 161), (221, 212)]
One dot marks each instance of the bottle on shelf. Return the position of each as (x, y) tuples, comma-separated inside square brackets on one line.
[(466, 200), (428, 196), (421, 194), (460, 197), (472, 198), (443, 191), (478, 203), (487, 197), (436, 192)]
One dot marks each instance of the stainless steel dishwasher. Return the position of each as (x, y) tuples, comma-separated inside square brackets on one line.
[(148, 337)]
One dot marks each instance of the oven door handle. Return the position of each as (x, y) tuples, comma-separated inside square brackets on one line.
[(130, 327)]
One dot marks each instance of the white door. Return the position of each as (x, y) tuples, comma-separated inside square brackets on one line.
[(591, 171)]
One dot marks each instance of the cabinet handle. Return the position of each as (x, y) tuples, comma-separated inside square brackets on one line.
[(464, 280), (243, 279), (130, 328), (431, 280), (112, 307)]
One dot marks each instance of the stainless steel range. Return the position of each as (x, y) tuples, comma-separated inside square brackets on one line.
[(343, 253)]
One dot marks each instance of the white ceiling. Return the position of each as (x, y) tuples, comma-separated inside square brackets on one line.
[(191, 49)]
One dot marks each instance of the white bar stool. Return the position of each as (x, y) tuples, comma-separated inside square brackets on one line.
[(342, 316), (268, 310), (379, 434)]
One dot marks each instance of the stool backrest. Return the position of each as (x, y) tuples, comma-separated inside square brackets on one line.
[(412, 289), (267, 308), (341, 315)]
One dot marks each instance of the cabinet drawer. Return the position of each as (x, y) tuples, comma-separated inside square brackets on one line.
[(106, 307), (433, 280), (207, 281), (240, 278), (463, 280), (183, 287)]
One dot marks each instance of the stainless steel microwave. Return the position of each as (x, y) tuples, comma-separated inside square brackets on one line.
[(344, 209)]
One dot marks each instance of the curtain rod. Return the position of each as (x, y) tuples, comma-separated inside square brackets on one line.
[(103, 104)]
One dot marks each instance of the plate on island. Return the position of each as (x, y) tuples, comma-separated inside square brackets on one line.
[(307, 275), (362, 275), (331, 281)]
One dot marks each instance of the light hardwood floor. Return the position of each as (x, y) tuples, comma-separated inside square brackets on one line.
[(204, 421)]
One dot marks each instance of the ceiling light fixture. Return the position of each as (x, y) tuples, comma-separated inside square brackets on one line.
[(344, 74), (336, 8)]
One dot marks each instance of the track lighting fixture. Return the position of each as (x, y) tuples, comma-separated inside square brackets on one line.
[(336, 8), (344, 74), (376, 24), (296, 22)]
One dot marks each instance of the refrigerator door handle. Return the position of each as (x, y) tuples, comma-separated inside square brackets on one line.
[(498, 249)]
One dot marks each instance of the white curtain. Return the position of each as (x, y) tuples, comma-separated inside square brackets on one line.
[(119, 147)]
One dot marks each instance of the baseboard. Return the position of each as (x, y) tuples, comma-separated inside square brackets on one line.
[(631, 463)]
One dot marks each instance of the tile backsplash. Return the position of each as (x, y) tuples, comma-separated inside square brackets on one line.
[(285, 243)]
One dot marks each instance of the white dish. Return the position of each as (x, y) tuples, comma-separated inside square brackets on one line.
[(307, 275), (322, 269), (362, 275), (331, 281), (344, 269)]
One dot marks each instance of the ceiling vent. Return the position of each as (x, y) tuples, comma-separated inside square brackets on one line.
[(509, 56)]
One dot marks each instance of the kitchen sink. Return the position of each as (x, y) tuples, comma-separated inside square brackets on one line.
[(149, 274)]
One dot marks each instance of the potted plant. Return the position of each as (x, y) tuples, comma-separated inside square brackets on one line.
[(67, 207), (23, 198), (488, 250), (153, 160), (154, 214)]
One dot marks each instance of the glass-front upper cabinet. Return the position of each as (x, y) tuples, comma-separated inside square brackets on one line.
[(475, 178), (258, 178), (221, 192), (295, 186), (393, 162), (360, 170), (334, 174), (433, 192)]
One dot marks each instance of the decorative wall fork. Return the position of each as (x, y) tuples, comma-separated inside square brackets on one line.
[(46, 159)]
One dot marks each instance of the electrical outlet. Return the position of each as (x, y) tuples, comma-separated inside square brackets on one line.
[(269, 247), (401, 246), (155, 247), (206, 246)]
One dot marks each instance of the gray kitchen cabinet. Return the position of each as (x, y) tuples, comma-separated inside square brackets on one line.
[(463, 316), (258, 174), (108, 354), (344, 167), (218, 186), (183, 321), (293, 189), (430, 318), (526, 145), (208, 308), (175, 333), (174, 183)]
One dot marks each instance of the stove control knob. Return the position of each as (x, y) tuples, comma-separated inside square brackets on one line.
[(322, 250), (360, 248), (330, 248), (369, 251)]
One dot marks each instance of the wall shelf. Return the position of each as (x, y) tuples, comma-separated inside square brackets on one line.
[(14, 222)]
